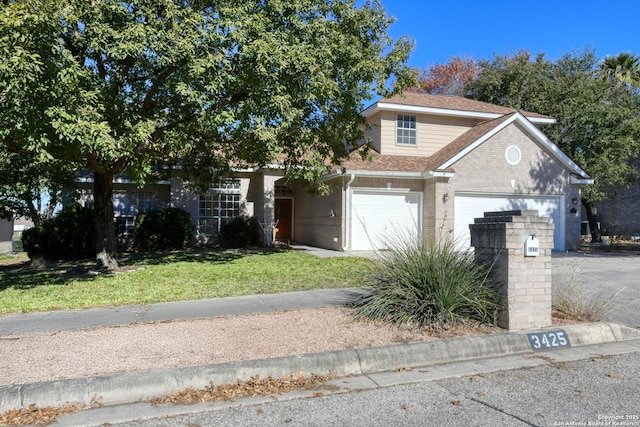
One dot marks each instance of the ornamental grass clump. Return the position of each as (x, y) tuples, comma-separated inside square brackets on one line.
[(428, 284)]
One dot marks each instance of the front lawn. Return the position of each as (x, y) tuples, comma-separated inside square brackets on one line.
[(171, 276)]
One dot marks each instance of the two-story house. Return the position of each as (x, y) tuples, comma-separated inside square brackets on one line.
[(437, 163)]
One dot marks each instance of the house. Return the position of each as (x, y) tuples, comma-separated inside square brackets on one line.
[(618, 212), (6, 235), (437, 163)]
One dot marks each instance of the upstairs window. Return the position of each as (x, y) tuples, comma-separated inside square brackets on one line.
[(406, 130)]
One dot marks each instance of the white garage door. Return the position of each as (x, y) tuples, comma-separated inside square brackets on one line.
[(376, 217), (469, 207)]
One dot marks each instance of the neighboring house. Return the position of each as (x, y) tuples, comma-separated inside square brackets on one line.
[(437, 163), (618, 213), (6, 234)]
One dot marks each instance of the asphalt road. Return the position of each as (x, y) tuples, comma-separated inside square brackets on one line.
[(612, 278), (596, 391)]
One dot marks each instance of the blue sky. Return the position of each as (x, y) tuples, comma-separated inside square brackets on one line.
[(442, 29)]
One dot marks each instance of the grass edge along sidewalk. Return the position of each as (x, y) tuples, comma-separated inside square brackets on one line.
[(170, 276)]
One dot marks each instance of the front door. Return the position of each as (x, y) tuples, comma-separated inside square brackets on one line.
[(284, 219)]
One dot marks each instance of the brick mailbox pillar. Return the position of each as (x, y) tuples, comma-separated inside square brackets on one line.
[(519, 243)]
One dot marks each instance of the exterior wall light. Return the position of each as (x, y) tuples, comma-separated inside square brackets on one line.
[(445, 198)]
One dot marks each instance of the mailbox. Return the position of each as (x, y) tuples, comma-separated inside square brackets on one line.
[(531, 246)]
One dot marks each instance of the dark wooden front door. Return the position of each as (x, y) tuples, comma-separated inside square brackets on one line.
[(284, 218)]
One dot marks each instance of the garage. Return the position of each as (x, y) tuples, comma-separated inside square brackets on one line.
[(377, 216), (470, 206)]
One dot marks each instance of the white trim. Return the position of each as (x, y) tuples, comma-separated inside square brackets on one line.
[(389, 174), (581, 181), (347, 213), (89, 180), (436, 174), (512, 148), (444, 112)]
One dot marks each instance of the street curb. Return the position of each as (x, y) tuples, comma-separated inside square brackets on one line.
[(133, 387)]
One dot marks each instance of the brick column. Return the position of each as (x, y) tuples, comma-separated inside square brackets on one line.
[(525, 281)]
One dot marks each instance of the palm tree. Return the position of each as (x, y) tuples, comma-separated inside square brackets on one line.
[(624, 68)]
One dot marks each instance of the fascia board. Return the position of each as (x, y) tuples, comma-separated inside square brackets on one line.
[(89, 180), (428, 110), (390, 174), (445, 112), (553, 148), (582, 181)]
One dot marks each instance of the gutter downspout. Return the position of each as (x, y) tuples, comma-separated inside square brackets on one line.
[(347, 213)]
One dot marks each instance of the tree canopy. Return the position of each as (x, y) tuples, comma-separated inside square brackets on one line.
[(142, 84), (597, 119)]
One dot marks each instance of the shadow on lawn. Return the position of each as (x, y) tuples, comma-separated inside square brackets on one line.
[(28, 274), (210, 255)]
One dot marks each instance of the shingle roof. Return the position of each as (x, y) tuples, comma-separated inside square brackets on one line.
[(454, 103), (378, 162)]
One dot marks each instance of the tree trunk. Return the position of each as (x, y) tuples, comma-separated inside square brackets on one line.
[(106, 246), (592, 217)]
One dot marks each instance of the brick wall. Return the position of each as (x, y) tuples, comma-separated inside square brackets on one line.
[(525, 280), (619, 214)]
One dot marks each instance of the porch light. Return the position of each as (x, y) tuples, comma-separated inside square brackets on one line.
[(445, 198), (574, 201)]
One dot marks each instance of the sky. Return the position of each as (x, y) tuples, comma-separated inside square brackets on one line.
[(480, 29)]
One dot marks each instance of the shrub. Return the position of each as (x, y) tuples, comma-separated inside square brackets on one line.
[(573, 301), (161, 229), (70, 235), (241, 231), (428, 284)]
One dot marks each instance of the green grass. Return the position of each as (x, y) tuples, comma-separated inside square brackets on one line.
[(175, 276)]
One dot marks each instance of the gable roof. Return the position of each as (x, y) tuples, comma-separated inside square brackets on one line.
[(440, 163), (446, 105)]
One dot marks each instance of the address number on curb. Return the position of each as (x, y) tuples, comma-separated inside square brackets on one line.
[(548, 340)]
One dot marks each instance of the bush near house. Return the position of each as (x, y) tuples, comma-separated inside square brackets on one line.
[(428, 284), (68, 236), (241, 231), (160, 229)]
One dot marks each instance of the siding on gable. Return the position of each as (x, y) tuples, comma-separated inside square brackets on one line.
[(374, 131), (432, 132)]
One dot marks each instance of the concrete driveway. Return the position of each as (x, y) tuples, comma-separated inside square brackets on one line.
[(602, 275)]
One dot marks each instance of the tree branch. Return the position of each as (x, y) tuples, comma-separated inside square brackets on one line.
[(148, 99)]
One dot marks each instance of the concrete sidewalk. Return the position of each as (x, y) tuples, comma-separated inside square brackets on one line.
[(67, 320), (131, 387)]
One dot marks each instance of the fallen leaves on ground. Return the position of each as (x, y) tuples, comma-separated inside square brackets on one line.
[(35, 416), (256, 386)]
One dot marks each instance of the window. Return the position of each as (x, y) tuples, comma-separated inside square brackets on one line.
[(127, 205), (406, 130), (221, 203)]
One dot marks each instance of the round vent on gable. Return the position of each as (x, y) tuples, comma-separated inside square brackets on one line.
[(513, 155)]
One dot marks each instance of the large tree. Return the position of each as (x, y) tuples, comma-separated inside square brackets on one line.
[(598, 120), (31, 187), (449, 78), (132, 85)]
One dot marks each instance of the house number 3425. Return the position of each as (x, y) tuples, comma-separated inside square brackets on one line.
[(548, 340)]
